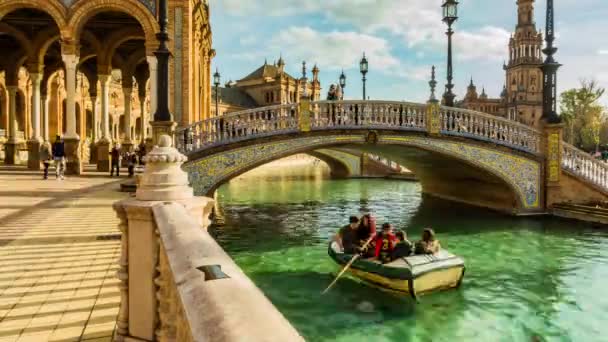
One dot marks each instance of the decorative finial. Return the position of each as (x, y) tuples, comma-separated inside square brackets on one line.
[(304, 69), (163, 178), (433, 84)]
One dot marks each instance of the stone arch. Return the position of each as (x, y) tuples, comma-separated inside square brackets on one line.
[(53, 8), (117, 38), (42, 42), (82, 11), (519, 175), (20, 37)]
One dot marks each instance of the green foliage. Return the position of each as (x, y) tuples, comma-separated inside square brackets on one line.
[(585, 118)]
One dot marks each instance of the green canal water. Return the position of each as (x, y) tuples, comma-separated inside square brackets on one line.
[(527, 279)]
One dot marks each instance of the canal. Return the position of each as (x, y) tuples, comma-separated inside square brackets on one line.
[(528, 279)]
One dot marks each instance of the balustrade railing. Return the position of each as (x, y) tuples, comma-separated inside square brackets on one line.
[(585, 166), (238, 126), (327, 115), (461, 122), (369, 114)]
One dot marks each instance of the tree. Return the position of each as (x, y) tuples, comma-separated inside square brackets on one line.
[(583, 116)]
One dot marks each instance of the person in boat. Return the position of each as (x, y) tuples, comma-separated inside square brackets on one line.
[(347, 237), (403, 248), (385, 243), (367, 229), (429, 244)]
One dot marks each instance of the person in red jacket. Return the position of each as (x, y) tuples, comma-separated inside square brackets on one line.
[(385, 242)]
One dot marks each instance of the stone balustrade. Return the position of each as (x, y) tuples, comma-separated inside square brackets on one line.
[(176, 282), (581, 164), (491, 128), (379, 115)]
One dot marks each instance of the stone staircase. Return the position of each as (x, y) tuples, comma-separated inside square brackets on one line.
[(590, 213)]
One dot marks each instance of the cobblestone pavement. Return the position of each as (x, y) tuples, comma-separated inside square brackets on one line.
[(59, 244)]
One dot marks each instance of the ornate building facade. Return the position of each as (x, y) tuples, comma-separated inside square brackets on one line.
[(268, 85), (521, 99), (81, 69)]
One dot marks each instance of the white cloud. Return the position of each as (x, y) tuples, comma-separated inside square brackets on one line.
[(417, 22), (335, 49)]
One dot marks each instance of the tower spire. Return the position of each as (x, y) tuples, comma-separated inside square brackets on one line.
[(525, 12)]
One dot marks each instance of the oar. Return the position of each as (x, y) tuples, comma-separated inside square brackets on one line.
[(348, 265)]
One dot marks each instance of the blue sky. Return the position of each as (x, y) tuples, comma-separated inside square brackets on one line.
[(402, 39)]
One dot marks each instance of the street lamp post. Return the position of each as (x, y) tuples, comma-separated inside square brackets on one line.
[(363, 67), (342, 83), (162, 55), (549, 68), (216, 82), (450, 15)]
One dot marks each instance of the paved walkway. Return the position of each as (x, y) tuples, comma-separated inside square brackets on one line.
[(59, 244)]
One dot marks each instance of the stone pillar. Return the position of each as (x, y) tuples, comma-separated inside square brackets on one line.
[(103, 145), (553, 137), (163, 181), (95, 133), (11, 153), (45, 117), (33, 144), (143, 117), (153, 65), (127, 144), (71, 138)]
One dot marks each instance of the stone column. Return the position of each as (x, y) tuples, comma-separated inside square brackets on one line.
[(95, 132), (70, 137), (153, 65), (163, 181), (127, 144), (45, 117), (11, 155), (553, 163), (143, 117), (103, 145), (33, 144)]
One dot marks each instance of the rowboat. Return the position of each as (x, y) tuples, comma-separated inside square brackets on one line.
[(414, 275)]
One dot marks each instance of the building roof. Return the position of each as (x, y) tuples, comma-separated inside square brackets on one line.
[(265, 71), (236, 97)]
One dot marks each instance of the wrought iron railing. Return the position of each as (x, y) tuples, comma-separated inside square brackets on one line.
[(585, 166), (327, 115)]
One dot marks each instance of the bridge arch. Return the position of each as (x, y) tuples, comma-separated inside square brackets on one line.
[(515, 177)]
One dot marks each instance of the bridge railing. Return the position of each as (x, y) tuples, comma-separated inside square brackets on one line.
[(369, 114), (326, 115), (583, 165), (238, 126), (481, 126)]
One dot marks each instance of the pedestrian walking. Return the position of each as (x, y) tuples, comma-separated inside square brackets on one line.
[(115, 160), (131, 162), (59, 157), (46, 156)]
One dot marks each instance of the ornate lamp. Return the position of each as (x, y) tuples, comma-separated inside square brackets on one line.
[(450, 15), (216, 82), (364, 68), (342, 83)]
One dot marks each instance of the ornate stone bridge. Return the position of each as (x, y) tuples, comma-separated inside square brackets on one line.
[(457, 154)]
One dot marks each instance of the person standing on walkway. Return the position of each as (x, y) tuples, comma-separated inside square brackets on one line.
[(115, 156), (59, 157), (45, 156)]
